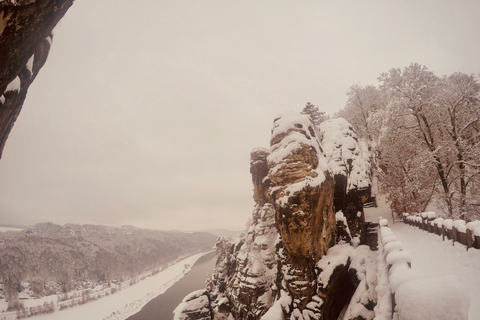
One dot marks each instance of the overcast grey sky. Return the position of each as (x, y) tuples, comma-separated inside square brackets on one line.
[(146, 112)]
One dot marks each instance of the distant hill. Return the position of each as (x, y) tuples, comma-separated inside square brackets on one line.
[(50, 258), (225, 232)]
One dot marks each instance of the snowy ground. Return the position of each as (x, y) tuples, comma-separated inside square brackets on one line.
[(440, 258), (435, 258), (117, 306)]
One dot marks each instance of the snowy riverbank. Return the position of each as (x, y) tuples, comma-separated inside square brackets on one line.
[(116, 306)]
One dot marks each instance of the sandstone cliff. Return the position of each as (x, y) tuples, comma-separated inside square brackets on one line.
[(348, 160), (296, 260), (25, 38)]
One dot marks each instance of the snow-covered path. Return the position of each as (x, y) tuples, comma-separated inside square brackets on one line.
[(436, 257)]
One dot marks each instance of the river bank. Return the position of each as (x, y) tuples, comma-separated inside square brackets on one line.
[(161, 307), (123, 303)]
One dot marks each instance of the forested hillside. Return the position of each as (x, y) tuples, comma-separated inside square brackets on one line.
[(424, 131), (48, 258)]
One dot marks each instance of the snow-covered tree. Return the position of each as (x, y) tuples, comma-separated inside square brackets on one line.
[(362, 105), (424, 132)]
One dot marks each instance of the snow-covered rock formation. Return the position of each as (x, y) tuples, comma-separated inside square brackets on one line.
[(348, 160), (291, 262)]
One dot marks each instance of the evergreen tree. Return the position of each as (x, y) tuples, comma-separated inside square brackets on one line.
[(315, 114)]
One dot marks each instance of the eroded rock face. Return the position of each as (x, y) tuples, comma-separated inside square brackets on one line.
[(243, 283), (259, 171), (25, 38), (302, 188)]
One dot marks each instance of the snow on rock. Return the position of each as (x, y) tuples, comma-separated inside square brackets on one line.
[(336, 256), (14, 85), (29, 64), (196, 305), (295, 159), (436, 297), (286, 265), (2, 99), (302, 187), (276, 312), (344, 153), (343, 231), (363, 265), (245, 272)]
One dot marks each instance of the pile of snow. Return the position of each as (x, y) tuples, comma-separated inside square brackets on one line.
[(438, 222), (448, 223), (394, 268), (474, 226), (428, 215), (460, 225), (383, 223)]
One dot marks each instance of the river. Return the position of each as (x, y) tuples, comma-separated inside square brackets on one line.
[(161, 307)]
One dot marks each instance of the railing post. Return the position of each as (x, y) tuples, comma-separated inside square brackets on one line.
[(469, 238), (454, 235)]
